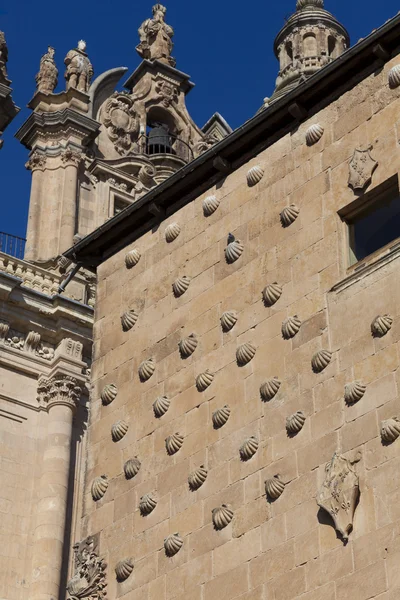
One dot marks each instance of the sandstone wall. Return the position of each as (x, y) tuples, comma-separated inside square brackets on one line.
[(278, 550)]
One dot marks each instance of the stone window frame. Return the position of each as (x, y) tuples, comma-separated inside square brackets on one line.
[(118, 196)]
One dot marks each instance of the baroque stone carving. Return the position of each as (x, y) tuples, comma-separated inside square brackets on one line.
[(109, 394), (204, 380), (361, 169), (353, 392), (121, 122), (321, 360), (228, 320), (156, 38), (167, 93), (4, 329), (79, 70), (394, 77), (146, 369), (188, 345), (381, 325), (161, 406), (47, 78), (128, 320), (220, 417), (197, 478), (132, 467), (274, 487), (295, 423), (254, 175), (74, 158), (272, 293), (36, 162), (99, 487), (132, 258), (222, 516), (172, 232), (234, 250), (89, 581), (172, 544), (290, 327), (60, 389), (180, 286), (249, 448), (314, 134), (339, 493), (210, 205), (289, 215), (390, 430), (174, 443), (147, 504), (245, 353), (32, 340), (270, 388), (124, 569), (119, 430)]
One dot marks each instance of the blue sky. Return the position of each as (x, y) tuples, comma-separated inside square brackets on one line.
[(226, 47)]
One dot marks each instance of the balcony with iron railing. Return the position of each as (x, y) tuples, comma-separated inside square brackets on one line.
[(12, 245), (165, 144)]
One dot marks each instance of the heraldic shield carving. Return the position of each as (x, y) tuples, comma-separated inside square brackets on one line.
[(361, 168), (340, 493), (89, 581), (121, 122)]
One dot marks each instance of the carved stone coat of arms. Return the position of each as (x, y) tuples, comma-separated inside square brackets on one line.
[(361, 168)]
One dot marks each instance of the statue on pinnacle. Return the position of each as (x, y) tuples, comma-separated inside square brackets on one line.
[(156, 38)]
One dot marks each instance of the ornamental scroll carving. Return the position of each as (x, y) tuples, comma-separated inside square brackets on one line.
[(60, 389), (89, 580), (121, 122)]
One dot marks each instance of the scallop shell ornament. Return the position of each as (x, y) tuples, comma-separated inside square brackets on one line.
[(172, 544), (188, 345), (321, 360), (99, 487), (161, 406), (274, 487), (254, 175), (289, 215), (228, 320), (210, 205), (204, 380), (109, 394), (381, 325), (123, 569), (390, 430), (180, 286), (128, 320), (197, 478), (174, 443), (132, 258), (394, 77), (314, 134), (147, 504), (220, 417), (119, 430), (249, 448), (146, 369), (295, 423), (222, 516), (353, 392), (234, 251), (272, 293), (172, 232), (290, 327), (245, 353), (132, 467), (270, 388)]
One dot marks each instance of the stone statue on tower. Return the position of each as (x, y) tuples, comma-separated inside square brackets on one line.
[(156, 38)]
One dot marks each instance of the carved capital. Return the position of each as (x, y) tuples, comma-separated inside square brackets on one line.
[(72, 158), (36, 162), (89, 580), (59, 390)]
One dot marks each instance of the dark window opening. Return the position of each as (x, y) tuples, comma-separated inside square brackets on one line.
[(289, 50), (119, 205), (331, 45)]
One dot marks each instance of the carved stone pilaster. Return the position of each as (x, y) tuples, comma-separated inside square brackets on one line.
[(36, 162), (89, 580), (59, 390), (72, 157)]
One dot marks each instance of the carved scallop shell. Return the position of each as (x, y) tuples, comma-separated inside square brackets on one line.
[(119, 430), (381, 325), (210, 205), (290, 327), (197, 478), (161, 406), (188, 345), (270, 388), (254, 175), (204, 380), (174, 443), (274, 487), (353, 392), (249, 448), (228, 320), (321, 360), (132, 467), (314, 134), (172, 544), (146, 369), (180, 286), (147, 504), (123, 569), (234, 251), (109, 394), (390, 430), (132, 258), (394, 76), (272, 293), (129, 319), (245, 353), (221, 416), (172, 232), (99, 487), (222, 516), (295, 423), (289, 215)]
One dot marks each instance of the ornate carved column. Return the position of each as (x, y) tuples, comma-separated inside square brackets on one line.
[(60, 396), (36, 164), (71, 160)]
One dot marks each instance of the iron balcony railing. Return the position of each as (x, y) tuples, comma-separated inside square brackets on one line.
[(12, 245), (169, 145)]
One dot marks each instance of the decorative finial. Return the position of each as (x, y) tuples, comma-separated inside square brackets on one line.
[(79, 71), (309, 3), (156, 38), (47, 78)]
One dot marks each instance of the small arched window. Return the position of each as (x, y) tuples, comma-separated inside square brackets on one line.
[(310, 45), (331, 46)]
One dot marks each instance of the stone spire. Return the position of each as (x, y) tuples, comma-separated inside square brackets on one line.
[(156, 38)]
